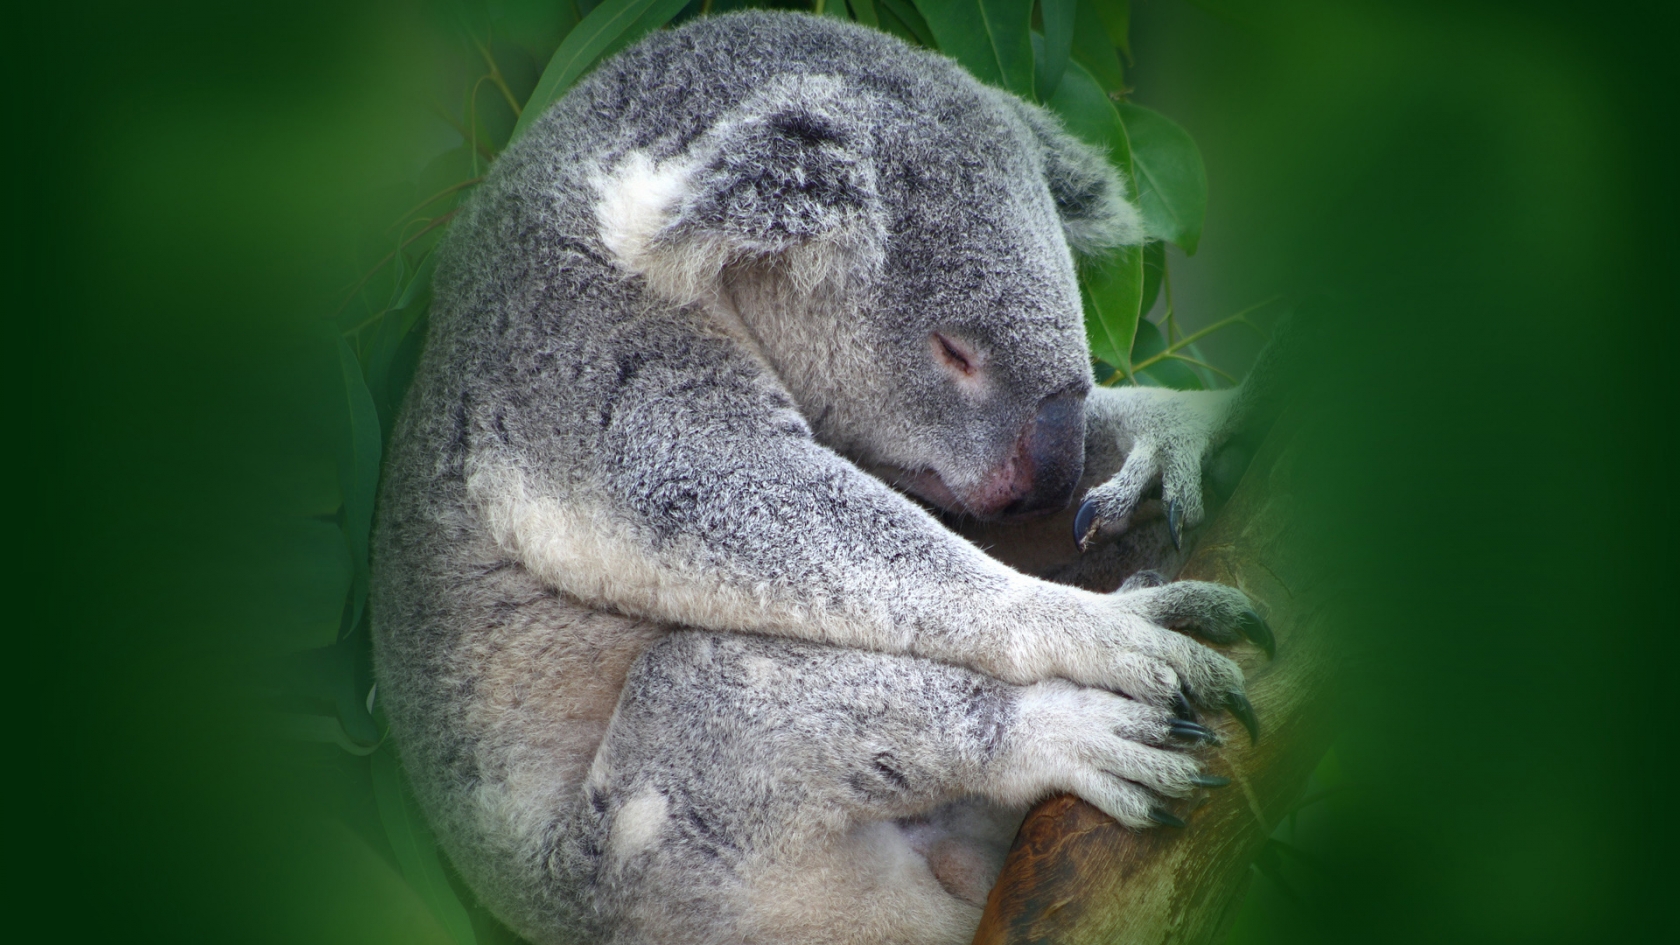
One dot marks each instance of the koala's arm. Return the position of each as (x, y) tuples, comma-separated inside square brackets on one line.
[(710, 505)]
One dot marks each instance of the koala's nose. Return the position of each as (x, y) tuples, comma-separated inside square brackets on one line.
[(1041, 472), (1053, 451)]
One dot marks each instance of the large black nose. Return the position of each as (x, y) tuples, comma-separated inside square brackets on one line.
[(1053, 454)]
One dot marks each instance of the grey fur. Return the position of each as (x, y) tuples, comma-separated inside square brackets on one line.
[(664, 662)]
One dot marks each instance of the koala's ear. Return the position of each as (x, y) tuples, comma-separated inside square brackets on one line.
[(788, 180), (1090, 193)]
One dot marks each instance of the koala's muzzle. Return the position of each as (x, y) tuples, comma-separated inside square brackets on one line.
[(1040, 474)]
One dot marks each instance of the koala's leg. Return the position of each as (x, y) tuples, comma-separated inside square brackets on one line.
[(759, 790)]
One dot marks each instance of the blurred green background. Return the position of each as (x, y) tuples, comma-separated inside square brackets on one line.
[(1485, 189)]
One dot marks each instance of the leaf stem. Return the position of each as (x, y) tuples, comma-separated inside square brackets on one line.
[(1171, 315), (361, 283), (1241, 318), (1202, 364), (466, 136), (496, 77), (433, 199)]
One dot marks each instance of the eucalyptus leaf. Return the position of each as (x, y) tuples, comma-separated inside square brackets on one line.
[(830, 8), (358, 470), (1116, 17), (902, 18), (1154, 271), (608, 28), (1171, 181), (1092, 49), (864, 12), (1166, 372), (416, 848), (991, 38), (1111, 286), (1057, 46)]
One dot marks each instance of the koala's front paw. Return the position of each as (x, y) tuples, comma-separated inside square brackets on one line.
[(1122, 756), (1140, 649), (1172, 434)]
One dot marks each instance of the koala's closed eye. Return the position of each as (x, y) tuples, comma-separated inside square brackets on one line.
[(955, 355)]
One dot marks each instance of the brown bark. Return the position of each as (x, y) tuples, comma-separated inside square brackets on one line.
[(1075, 876)]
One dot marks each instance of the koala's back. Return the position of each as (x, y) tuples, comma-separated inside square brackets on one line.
[(499, 688)]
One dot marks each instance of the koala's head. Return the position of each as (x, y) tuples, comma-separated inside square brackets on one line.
[(902, 257)]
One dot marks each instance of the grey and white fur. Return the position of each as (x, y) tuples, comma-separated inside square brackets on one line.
[(669, 653)]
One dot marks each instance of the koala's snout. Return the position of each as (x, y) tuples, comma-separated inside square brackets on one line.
[(1040, 474)]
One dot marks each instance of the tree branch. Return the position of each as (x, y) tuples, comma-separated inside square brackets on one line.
[(1075, 876)]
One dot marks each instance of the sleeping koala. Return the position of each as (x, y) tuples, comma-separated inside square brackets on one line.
[(671, 653)]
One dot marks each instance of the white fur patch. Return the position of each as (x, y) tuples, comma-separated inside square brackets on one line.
[(637, 824), (638, 198), (585, 551)]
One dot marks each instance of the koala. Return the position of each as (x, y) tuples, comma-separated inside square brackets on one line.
[(674, 626)]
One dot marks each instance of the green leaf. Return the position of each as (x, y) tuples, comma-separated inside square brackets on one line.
[(416, 849), (1092, 49), (1167, 372), (358, 470), (608, 28), (1171, 181), (991, 38), (1058, 45), (900, 18), (1154, 269), (831, 8), (1116, 17), (864, 12), (1111, 286)]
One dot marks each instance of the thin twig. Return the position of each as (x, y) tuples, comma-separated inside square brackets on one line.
[(1241, 318), (1202, 364), (433, 224), (496, 77), (1171, 314), (467, 136), (432, 199)]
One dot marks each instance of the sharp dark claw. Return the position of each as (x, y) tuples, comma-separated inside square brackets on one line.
[(1083, 520), (1195, 731), (1175, 519), (1165, 818), (1258, 632), (1209, 780), (1243, 710), (1182, 707)]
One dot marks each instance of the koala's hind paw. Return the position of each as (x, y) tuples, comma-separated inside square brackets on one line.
[(1120, 755)]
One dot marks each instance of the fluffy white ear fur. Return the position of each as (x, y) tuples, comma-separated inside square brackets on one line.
[(637, 200), (681, 222), (1116, 223)]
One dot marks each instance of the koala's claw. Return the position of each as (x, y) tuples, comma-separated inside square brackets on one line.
[(1258, 632), (1243, 711), (1175, 522), (1181, 706), (1084, 524), (1192, 731), (1165, 818), (1210, 781)]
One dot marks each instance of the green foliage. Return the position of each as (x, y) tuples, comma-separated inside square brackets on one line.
[(1171, 182), (608, 28), (416, 850), (373, 340), (991, 38)]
